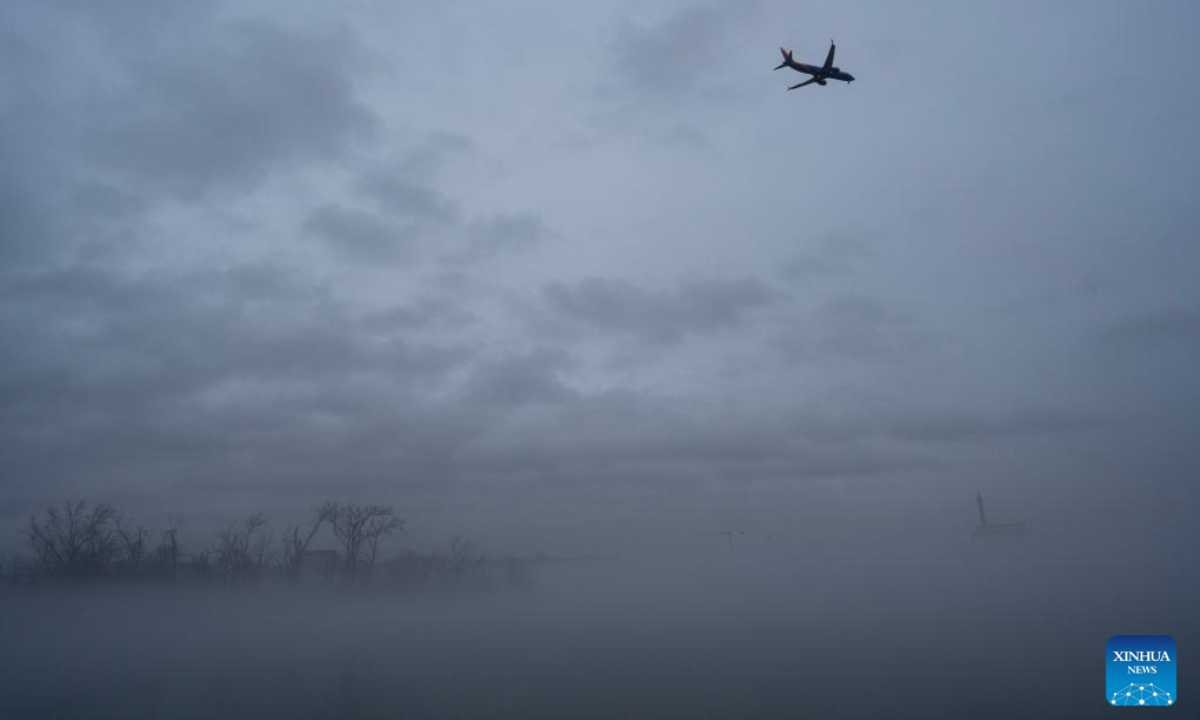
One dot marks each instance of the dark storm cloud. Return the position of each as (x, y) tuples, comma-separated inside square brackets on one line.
[(226, 105), (695, 306)]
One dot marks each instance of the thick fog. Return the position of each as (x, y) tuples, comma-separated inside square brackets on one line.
[(889, 626), (550, 359)]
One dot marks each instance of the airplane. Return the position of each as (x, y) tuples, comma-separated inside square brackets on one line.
[(819, 74)]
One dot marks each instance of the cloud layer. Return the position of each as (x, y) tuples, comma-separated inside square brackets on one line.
[(257, 257)]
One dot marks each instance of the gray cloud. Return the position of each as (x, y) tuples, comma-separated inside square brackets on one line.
[(103, 341), (255, 253), (404, 197), (112, 110), (620, 439), (249, 372), (405, 237), (489, 237), (853, 418), (362, 236), (427, 160), (1144, 364), (1175, 329), (130, 380), (430, 312), (658, 317), (49, 204), (223, 106), (522, 379), (682, 54), (961, 426), (830, 256), (850, 326), (26, 223), (409, 217), (401, 186)]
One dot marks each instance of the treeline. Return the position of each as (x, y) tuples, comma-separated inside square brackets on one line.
[(82, 541)]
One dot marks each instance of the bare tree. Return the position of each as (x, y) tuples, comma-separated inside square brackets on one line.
[(466, 555), (133, 540), (380, 526), (73, 539), (296, 541), (167, 554), (359, 528), (241, 551)]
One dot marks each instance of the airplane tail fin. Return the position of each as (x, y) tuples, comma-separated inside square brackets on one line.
[(787, 58)]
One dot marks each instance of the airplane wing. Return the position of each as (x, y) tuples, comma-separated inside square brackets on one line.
[(800, 85), (829, 57)]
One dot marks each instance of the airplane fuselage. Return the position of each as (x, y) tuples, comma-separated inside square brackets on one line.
[(820, 72)]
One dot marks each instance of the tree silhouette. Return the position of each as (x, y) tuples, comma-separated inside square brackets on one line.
[(72, 539), (167, 554), (358, 529), (296, 542), (133, 540), (241, 552)]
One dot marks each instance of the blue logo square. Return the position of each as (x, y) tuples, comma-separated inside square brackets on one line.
[(1141, 670)]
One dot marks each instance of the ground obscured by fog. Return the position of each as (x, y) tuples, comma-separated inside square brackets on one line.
[(885, 626)]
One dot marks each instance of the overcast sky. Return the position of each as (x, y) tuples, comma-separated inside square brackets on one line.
[(554, 274)]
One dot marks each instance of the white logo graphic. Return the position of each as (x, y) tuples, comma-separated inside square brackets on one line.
[(1141, 694)]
